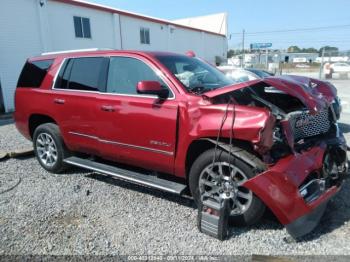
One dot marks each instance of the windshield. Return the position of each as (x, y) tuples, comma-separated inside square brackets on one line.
[(195, 75), (260, 73), (239, 75)]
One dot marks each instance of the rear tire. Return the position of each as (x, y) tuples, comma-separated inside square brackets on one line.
[(250, 208), (49, 148)]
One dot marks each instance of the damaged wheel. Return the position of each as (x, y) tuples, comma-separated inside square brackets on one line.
[(223, 178)]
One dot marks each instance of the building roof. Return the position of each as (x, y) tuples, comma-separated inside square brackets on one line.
[(135, 15), (216, 23)]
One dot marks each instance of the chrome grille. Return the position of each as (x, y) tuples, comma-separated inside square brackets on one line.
[(306, 125)]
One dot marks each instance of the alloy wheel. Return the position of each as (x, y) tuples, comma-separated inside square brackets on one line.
[(46, 149), (222, 180)]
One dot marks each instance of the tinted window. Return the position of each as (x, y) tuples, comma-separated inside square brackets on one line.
[(82, 27), (86, 27), (87, 74), (33, 73), (144, 36), (124, 74), (63, 76), (78, 26)]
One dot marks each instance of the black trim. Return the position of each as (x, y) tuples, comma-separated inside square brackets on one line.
[(239, 153), (2, 103), (305, 224)]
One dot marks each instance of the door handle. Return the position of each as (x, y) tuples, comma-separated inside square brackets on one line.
[(108, 108), (59, 101)]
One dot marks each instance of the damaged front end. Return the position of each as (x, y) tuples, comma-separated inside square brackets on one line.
[(306, 159)]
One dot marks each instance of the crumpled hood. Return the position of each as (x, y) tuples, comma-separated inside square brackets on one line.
[(313, 93)]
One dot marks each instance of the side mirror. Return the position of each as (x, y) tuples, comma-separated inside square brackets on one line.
[(152, 88)]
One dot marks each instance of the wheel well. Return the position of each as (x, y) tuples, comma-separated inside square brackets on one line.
[(37, 120), (197, 147)]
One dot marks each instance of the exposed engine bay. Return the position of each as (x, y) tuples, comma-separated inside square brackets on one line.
[(308, 149), (306, 125)]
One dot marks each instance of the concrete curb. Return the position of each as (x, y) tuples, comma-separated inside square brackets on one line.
[(3, 156), (6, 116), (16, 154), (21, 152)]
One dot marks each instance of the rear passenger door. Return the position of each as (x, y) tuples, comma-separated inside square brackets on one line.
[(75, 100)]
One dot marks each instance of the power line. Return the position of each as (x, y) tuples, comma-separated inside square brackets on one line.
[(296, 30)]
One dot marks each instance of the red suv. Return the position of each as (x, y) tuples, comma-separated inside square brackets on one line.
[(173, 122)]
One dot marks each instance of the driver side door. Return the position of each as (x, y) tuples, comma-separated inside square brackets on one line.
[(137, 129)]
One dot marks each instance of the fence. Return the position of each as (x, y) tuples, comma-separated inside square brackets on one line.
[(328, 65)]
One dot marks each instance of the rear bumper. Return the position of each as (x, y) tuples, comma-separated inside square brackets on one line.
[(279, 186)]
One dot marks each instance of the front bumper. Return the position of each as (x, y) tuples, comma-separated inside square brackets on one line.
[(279, 186)]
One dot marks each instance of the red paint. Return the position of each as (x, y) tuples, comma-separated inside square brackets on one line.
[(168, 127), (278, 186), (190, 53), (314, 98), (147, 87)]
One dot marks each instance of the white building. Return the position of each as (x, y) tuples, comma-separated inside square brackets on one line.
[(30, 27)]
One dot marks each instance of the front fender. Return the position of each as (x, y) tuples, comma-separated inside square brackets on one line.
[(251, 124)]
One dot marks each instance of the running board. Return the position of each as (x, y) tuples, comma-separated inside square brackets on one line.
[(127, 175)]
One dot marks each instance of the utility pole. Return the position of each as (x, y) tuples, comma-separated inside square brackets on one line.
[(267, 59), (322, 62), (243, 55)]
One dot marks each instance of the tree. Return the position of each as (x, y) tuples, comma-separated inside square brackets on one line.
[(293, 49), (309, 50), (329, 50), (230, 53), (297, 49)]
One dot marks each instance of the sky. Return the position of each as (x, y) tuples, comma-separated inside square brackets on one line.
[(258, 18)]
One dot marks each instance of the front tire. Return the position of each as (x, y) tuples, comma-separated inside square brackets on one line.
[(49, 148), (223, 179)]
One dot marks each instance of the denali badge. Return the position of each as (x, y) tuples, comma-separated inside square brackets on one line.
[(159, 143), (307, 120)]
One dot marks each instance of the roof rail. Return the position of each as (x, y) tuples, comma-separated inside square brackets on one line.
[(76, 50)]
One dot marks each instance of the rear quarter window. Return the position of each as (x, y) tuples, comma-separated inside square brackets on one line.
[(33, 73)]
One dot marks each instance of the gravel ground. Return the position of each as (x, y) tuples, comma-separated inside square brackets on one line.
[(84, 213), (10, 138)]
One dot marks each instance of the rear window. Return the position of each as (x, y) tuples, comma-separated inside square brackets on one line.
[(33, 73)]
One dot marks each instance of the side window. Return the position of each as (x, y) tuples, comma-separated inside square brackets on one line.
[(86, 74), (82, 27), (33, 73), (124, 73), (144, 36)]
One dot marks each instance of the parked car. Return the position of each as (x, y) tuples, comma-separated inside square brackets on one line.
[(175, 123), (302, 66), (243, 74), (340, 68)]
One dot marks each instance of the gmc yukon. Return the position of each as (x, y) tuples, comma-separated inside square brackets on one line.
[(176, 123)]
